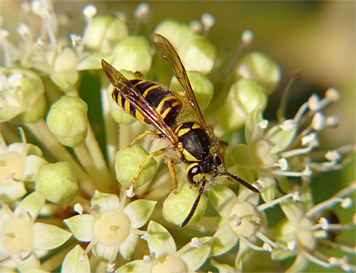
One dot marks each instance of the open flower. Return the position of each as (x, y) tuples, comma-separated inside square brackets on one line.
[(21, 236), (19, 163), (164, 256), (110, 226)]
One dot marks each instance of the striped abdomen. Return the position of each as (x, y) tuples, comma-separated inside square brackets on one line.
[(165, 103)]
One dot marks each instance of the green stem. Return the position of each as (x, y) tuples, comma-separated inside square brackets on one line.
[(86, 161), (98, 158)]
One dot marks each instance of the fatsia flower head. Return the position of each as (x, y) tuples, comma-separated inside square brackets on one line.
[(83, 188)]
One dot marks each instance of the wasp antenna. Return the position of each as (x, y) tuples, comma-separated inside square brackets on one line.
[(195, 205), (241, 181)]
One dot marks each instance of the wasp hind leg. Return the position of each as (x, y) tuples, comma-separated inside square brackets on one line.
[(144, 134), (144, 164)]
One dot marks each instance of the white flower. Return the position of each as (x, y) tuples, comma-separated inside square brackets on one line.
[(110, 227)]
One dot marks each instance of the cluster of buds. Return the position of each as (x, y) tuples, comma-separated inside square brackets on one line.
[(66, 180)]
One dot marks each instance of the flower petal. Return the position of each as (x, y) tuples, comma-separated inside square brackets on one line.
[(128, 246), (71, 264), (139, 212), (222, 198), (160, 241), (82, 227), (33, 203), (224, 240), (223, 268), (104, 201), (194, 258), (135, 266), (49, 237)]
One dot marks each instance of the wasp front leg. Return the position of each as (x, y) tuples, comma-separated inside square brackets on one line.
[(144, 164)]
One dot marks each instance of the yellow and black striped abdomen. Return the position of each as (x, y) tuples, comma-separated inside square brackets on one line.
[(165, 103)]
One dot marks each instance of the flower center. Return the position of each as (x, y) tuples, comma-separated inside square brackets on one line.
[(169, 264), (112, 228), (17, 234), (244, 219), (11, 163)]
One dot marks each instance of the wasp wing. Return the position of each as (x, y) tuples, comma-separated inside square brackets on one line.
[(125, 87), (170, 55)]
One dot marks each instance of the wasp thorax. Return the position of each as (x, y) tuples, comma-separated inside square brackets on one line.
[(194, 140)]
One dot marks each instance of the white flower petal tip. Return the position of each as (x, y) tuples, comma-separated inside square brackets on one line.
[(195, 242), (130, 192)]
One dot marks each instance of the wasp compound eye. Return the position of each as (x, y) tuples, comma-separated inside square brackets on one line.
[(194, 174)]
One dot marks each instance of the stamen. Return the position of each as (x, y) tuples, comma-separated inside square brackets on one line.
[(288, 125), (332, 121), (267, 247), (332, 94), (146, 236), (315, 259), (318, 121), (275, 202), (323, 205), (252, 246), (246, 37), (78, 208), (265, 239), (208, 21), (291, 245), (142, 12), (195, 242), (89, 11), (196, 26), (130, 192)]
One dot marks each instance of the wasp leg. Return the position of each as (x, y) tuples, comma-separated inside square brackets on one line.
[(144, 164), (173, 173), (141, 136), (140, 75)]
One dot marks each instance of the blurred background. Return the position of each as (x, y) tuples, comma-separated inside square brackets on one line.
[(315, 37)]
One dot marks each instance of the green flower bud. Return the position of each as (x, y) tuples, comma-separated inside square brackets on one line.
[(176, 32), (260, 68), (20, 91), (198, 53), (104, 32), (35, 113), (127, 164), (67, 120), (57, 182), (177, 206), (202, 86), (134, 54), (119, 114), (65, 66), (244, 97)]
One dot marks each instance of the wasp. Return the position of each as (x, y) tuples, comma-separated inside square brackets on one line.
[(192, 142)]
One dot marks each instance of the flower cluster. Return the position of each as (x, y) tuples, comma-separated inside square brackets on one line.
[(63, 176)]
